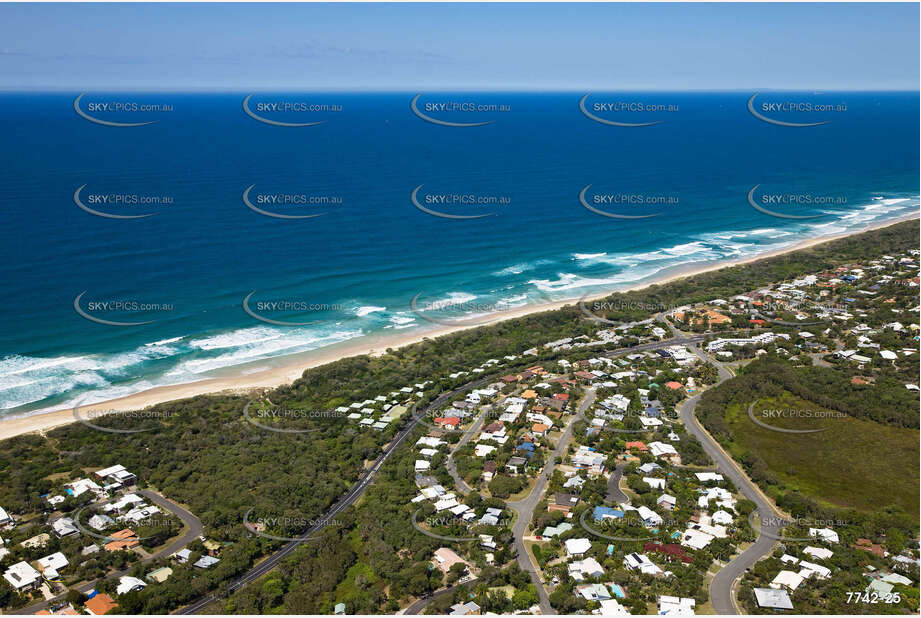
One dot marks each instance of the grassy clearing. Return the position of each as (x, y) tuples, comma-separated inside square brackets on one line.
[(851, 463)]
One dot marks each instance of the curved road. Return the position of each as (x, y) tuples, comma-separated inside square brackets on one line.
[(615, 493), (193, 531), (721, 588)]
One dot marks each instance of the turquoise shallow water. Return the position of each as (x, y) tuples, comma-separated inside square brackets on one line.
[(355, 270)]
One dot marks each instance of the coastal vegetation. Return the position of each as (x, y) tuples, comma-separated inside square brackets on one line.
[(204, 454)]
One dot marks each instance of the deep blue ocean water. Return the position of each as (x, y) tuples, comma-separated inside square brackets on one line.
[(372, 250)]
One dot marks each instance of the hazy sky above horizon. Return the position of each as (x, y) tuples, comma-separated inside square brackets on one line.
[(459, 46)]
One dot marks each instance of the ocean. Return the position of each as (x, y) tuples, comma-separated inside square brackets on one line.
[(246, 239)]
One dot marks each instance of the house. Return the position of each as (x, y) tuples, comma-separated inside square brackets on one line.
[(666, 501), (722, 518), (182, 556), (670, 551), (489, 470), (127, 584), (5, 519), (447, 422), (51, 565), (516, 464), (696, 539), (99, 604), (159, 575), (826, 534), (641, 563), (563, 502), (880, 588), (100, 522), (21, 576), (868, 545), (808, 569), (445, 558), (123, 539), (206, 562), (552, 531), (673, 385), (539, 429), (82, 486), (593, 592), (117, 474), (611, 607), (465, 609), (650, 518), (660, 449), (482, 450), (64, 527), (769, 598), (339, 609), (636, 445), (589, 567), (577, 547), (786, 579), (654, 482), (818, 552), (675, 606), (601, 513)]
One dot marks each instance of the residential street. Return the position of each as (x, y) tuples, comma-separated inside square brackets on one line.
[(524, 508), (193, 530), (721, 588)]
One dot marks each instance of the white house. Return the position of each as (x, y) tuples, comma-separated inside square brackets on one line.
[(676, 606), (826, 534), (577, 547), (51, 564), (128, 584), (21, 576), (786, 579)]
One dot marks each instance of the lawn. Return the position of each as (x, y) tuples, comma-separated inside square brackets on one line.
[(852, 463)]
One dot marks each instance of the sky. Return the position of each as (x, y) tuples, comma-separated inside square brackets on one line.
[(513, 46)]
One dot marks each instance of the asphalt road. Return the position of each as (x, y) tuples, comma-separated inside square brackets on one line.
[(721, 588), (419, 605), (459, 483), (524, 508), (193, 531), (615, 494), (344, 502)]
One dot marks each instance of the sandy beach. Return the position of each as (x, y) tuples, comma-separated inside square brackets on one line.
[(285, 370)]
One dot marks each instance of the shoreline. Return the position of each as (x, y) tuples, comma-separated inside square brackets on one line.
[(285, 369)]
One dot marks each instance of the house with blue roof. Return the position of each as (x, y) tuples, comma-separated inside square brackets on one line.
[(605, 512)]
